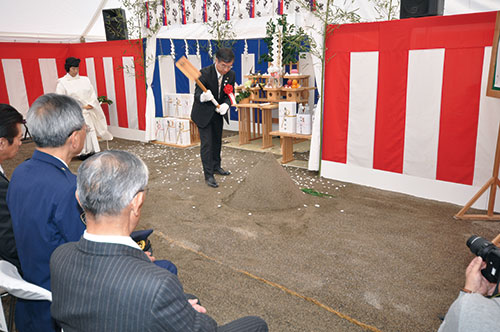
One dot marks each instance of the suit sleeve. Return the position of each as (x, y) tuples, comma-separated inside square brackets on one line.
[(204, 79), (172, 311), (67, 217), (8, 244)]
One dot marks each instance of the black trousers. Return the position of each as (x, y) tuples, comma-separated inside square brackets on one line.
[(245, 324), (210, 145)]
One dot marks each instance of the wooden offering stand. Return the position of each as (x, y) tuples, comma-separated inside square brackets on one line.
[(264, 99), (287, 140)]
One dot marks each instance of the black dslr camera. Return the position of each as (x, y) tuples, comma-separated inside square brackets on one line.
[(490, 253)]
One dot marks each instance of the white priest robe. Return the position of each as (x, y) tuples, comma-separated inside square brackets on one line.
[(80, 88)]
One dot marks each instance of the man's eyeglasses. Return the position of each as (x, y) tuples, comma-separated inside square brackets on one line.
[(223, 65)]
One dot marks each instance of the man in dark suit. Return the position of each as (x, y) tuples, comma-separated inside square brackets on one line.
[(10, 139), (41, 199), (105, 282), (208, 117)]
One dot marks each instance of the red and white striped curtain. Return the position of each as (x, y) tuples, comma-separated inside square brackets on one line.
[(409, 97), (30, 70)]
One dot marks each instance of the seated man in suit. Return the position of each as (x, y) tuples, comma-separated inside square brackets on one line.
[(41, 199), (105, 282), (11, 132)]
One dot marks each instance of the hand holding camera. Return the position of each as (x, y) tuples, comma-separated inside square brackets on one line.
[(481, 276)]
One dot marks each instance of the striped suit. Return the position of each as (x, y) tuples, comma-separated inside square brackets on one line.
[(113, 287)]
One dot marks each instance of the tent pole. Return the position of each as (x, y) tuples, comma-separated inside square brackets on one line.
[(93, 20)]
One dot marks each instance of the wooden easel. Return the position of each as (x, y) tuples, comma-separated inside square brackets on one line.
[(493, 182)]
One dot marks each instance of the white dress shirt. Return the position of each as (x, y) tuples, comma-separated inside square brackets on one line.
[(117, 239)]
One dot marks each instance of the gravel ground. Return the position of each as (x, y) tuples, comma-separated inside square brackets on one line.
[(355, 259)]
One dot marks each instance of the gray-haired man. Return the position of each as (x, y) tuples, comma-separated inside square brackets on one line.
[(105, 282), (41, 199)]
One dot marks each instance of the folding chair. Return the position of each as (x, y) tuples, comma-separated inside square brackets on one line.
[(12, 284)]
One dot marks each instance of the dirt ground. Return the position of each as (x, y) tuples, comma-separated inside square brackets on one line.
[(360, 259)]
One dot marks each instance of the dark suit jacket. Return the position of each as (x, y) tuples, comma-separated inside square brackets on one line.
[(45, 214), (8, 249), (114, 287), (202, 113)]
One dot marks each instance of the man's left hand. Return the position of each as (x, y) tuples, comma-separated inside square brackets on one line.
[(150, 256), (196, 306)]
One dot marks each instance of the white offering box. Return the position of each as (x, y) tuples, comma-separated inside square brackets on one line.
[(178, 105), (304, 124), (168, 101), (187, 100), (287, 117), (170, 132), (159, 129), (182, 133)]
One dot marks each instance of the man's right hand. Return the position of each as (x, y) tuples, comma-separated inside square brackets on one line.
[(474, 280), (206, 96)]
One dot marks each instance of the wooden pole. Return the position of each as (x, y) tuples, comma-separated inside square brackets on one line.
[(492, 183)]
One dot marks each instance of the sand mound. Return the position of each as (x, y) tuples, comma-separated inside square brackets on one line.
[(267, 187)]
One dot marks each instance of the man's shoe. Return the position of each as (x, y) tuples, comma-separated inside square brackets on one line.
[(211, 182), (221, 171)]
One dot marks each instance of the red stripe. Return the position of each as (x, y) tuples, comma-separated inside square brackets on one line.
[(4, 96), (121, 99), (32, 79), (164, 4), (33, 50), (336, 109), (475, 30), (388, 149), (101, 83), (459, 114)]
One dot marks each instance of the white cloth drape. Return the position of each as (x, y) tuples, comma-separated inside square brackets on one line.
[(150, 98)]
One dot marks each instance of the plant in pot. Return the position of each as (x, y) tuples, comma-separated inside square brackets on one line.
[(294, 40), (243, 96), (104, 100)]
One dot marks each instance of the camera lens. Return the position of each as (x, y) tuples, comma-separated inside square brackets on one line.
[(477, 245)]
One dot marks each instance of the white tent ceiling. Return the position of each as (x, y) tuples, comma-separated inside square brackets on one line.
[(67, 20), (53, 20)]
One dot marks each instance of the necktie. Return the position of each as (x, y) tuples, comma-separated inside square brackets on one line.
[(220, 85)]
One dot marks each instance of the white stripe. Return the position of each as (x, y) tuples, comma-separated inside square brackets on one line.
[(196, 61), (89, 62), (110, 90), (16, 88), (130, 91), (48, 71), (167, 74), (423, 109), (362, 108), (487, 130)]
